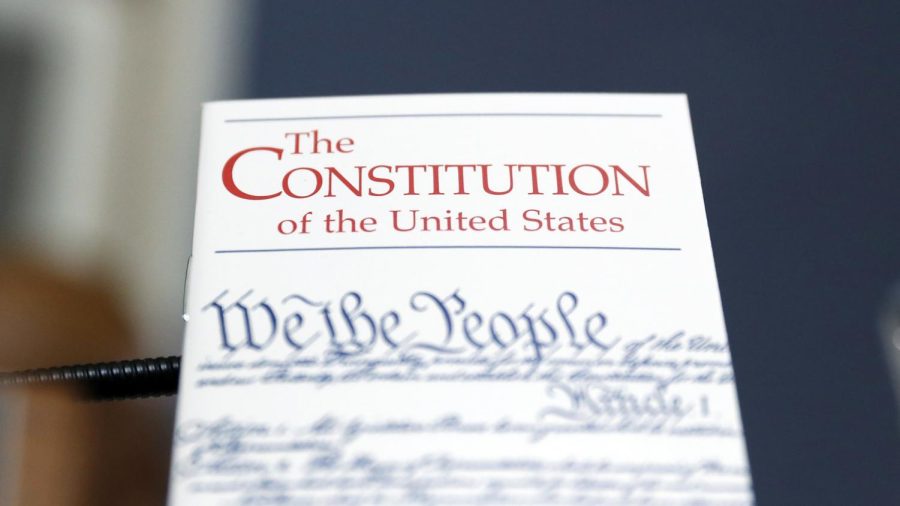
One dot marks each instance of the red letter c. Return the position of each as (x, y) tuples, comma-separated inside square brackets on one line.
[(228, 174)]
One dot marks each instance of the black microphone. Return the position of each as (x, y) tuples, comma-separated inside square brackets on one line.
[(127, 379)]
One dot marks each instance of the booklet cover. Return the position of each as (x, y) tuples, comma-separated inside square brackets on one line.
[(500, 299)]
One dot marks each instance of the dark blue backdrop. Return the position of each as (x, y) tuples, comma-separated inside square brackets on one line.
[(795, 117)]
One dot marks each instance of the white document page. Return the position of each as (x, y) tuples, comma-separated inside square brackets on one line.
[(504, 299)]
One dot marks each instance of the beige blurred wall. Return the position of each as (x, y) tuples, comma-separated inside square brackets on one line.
[(107, 180)]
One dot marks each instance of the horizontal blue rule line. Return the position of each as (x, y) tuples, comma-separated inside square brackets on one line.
[(470, 246), (455, 115)]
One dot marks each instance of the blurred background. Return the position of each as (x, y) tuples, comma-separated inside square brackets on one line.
[(795, 110)]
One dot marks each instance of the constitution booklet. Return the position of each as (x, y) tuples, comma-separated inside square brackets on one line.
[(498, 299)]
